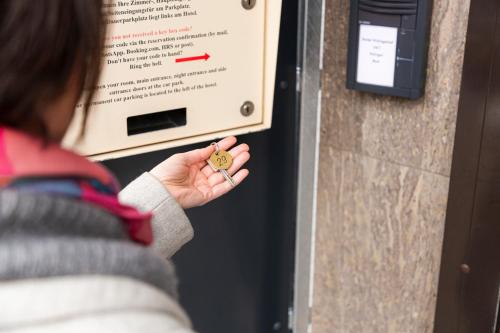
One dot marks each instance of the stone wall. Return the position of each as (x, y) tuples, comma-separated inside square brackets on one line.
[(384, 176)]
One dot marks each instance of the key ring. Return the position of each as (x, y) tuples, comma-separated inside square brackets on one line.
[(217, 148)]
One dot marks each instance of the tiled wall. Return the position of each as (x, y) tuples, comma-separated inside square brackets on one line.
[(384, 176)]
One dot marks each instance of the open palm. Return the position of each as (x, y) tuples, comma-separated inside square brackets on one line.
[(192, 182)]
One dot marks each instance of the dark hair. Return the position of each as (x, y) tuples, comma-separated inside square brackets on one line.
[(42, 43)]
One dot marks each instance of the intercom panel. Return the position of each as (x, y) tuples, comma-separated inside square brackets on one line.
[(388, 45)]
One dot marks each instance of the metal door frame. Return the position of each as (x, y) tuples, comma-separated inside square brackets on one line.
[(310, 65), (468, 283)]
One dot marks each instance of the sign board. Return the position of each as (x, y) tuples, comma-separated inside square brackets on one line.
[(181, 71), (377, 55)]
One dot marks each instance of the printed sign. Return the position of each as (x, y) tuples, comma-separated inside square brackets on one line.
[(179, 71), (377, 55)]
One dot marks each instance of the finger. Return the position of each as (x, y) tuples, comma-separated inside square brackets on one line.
[(238, 163), (197, 155), (225, 187), (235, 152), (227, 143)]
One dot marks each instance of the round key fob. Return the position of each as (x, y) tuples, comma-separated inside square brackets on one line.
[(221, 160)]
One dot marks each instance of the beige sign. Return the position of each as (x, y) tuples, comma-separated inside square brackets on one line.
[(181, 71)]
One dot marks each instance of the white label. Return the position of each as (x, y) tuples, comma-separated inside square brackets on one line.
[(377, 55)]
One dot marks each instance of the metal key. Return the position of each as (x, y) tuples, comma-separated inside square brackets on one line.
[(229, 179), (221, 161)]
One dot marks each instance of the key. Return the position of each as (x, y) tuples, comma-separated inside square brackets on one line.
[(229, 179), (221, 161)]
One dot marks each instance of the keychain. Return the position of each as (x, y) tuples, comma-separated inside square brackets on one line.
[(221, 161)]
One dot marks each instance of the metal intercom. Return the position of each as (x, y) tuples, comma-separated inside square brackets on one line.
[(388, 44)]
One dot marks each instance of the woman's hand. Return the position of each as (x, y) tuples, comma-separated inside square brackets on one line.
[(192, 182)]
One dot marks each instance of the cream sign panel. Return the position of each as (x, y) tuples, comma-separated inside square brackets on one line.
[(181, 71)]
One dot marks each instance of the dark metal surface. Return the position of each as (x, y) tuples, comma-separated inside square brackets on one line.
[(412, 18), (470, 268), (237, 274), (310, 52)]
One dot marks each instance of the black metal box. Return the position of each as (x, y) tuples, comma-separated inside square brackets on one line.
[(388, 45)]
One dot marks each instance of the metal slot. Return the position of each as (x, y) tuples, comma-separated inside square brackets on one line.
[(391, 11), (392, 1), (401, 7), (156, 121)]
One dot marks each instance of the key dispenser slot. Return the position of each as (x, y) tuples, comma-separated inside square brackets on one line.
[(156, 121)]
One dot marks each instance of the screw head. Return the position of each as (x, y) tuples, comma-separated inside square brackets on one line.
[(247, 109), (248, 4)]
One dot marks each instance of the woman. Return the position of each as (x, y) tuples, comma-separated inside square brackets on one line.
[(75, 253)]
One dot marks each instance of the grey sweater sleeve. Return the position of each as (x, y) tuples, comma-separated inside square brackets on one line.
[(171, 227)]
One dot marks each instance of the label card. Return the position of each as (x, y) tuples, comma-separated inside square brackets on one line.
[(377, 55)]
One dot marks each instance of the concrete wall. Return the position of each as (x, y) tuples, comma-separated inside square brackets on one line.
[(384, 176)]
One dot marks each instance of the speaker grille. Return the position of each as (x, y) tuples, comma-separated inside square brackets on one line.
[(394, 7)]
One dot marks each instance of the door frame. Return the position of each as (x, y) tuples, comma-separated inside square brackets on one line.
[(468, 284), (310, 60)]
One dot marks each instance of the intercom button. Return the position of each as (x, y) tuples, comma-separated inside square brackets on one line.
[(404, 74), (406, 44)]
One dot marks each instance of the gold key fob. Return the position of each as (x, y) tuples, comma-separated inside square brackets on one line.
[(221, 160)]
